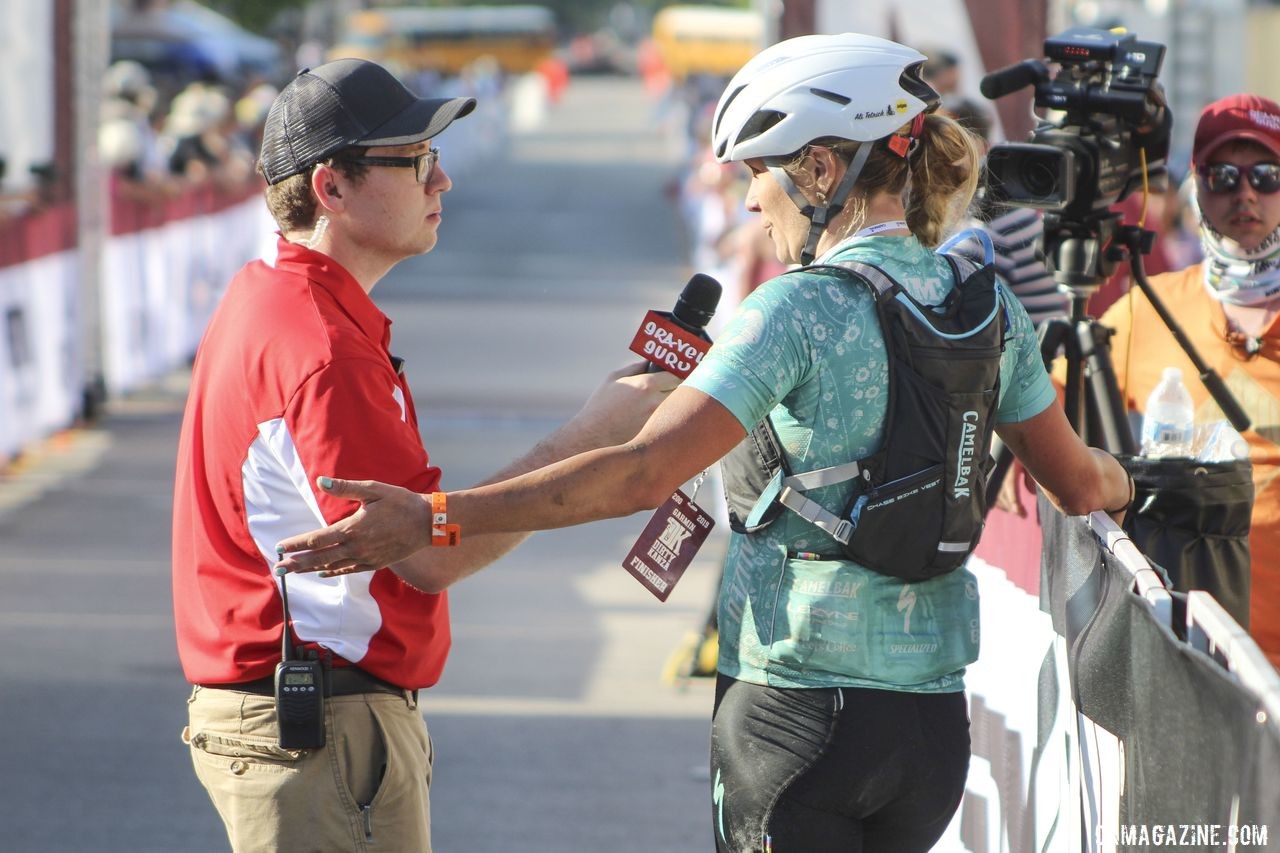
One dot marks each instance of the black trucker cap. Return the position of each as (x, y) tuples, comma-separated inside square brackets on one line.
[(343, 103)]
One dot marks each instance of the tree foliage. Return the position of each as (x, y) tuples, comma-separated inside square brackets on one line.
[(255, 15), (574, 16)]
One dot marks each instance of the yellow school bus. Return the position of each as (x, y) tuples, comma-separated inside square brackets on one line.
[(446, 40), (707, 39)]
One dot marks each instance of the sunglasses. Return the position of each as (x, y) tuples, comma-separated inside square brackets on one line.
[(1225, 177), (423, 165)]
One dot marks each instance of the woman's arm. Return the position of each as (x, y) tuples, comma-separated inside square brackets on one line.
[(688, 432), (1077, 478)]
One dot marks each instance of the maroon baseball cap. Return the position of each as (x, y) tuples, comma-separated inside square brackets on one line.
[(1237, 117)]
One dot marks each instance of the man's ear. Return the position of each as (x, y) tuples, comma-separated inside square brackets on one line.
[(326, 184)]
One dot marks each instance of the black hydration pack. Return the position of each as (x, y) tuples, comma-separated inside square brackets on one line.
[(918, 503)]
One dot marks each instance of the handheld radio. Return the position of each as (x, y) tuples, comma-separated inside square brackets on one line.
[(299, 691)]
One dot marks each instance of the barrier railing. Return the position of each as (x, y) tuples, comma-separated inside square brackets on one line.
[(1211, 630), (163, 266), (163, 276), (1150, 720)]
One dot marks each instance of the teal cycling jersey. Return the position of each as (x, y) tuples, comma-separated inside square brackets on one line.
[(807, 349)]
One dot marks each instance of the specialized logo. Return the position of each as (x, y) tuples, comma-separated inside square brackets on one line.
[(717, 798), (906, 604), (964, 454), (901, 106)]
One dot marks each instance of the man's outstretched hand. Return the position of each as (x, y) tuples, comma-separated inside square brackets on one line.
[(391, 524), (394, 523)]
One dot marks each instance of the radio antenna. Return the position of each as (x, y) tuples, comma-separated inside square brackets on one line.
[(284, 630)]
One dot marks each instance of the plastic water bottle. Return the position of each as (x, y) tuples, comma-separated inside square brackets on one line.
[(1169, 421)]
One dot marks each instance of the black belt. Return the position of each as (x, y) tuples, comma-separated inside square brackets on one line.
[(339, 681)]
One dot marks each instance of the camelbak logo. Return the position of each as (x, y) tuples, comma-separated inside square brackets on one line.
[(964, 454)]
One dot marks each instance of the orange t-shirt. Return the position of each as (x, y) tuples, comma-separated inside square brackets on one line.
[(1140, 351)]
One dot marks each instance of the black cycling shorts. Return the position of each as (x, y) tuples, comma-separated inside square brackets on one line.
[(835, 769)]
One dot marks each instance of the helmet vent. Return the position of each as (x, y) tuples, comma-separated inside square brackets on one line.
[(758, 124), (831, 96), (913, 83), (724, 108)]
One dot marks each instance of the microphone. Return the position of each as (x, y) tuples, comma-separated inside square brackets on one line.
[(679, 345), (697, 303), (1011, 78)]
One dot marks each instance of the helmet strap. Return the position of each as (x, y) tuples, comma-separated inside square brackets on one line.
[(819, 217)]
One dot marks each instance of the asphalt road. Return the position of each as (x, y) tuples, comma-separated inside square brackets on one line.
[(552, 728)]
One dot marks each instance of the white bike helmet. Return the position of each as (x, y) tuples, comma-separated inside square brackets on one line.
[(850, 86)]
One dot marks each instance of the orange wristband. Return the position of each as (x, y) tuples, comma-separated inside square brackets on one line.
[(442, 533)]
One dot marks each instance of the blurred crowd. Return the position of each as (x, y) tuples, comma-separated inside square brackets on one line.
[(205, 135), (723, 239), (208, 133)]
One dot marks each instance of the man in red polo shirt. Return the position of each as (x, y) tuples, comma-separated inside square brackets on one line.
[(294, 378)]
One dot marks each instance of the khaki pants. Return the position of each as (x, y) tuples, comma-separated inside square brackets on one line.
[(365, 790)]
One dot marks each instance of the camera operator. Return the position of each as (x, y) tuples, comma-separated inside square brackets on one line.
[(1015, 233), (840, 722), (1227, 306)]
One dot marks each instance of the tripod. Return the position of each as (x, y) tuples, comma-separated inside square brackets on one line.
[(1083, 254)]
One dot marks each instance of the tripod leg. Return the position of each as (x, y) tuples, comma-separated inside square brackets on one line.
[(1107, 412)]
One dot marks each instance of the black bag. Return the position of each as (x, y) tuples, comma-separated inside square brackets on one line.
[(918, 504), (1192, 518)]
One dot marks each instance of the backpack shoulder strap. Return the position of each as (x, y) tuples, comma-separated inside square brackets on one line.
[(880, 281), (962, 267)]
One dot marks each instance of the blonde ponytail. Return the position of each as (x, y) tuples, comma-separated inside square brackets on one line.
[(944, 172)]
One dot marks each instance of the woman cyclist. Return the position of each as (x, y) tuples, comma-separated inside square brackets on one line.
[(840, 721)]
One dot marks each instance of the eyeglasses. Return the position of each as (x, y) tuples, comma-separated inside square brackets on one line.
[(423, 165), (1225, 177)]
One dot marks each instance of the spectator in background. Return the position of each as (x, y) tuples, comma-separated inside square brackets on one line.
[(1181, 236), (127, 140), (1015, 233), (713, 216), (251, 113), (942, 71), (14, 205), (192, 129), (207, 142), (1228, 306)]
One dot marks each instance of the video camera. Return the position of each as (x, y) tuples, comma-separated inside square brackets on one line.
[(1112, 111), (1112, 135)]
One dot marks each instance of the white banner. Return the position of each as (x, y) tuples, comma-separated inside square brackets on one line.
[(160, 287), (39, 349)]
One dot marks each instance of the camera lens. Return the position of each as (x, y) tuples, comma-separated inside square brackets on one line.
[(1033, 175), (1039, 177)]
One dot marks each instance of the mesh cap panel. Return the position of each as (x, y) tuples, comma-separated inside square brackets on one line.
[(344, 103)]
